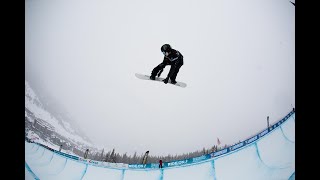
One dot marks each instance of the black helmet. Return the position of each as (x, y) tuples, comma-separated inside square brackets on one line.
[(165, 48)]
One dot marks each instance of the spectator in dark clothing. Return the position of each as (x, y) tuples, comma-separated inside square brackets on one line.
[(160, 163), (171, 57)]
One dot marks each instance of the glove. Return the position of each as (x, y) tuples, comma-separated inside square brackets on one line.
[(166, 80)]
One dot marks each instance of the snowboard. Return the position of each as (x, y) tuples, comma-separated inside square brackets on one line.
[(159, 79)]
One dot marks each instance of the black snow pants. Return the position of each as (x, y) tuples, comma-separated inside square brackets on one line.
[(174, 70)]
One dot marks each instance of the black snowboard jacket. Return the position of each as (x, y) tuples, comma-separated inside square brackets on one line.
[(175, 57)]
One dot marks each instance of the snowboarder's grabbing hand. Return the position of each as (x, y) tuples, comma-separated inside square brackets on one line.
[(171, 57)]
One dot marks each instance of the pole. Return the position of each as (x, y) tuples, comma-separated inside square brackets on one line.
[(268, 121), (86, 154)]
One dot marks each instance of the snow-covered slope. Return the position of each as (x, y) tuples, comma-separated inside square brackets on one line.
[(35, 109)]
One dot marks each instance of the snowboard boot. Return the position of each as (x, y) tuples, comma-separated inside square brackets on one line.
[(173, 82), (153, 77), (165, 80)]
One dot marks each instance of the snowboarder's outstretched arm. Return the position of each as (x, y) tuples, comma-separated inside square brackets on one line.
[(159, 69)]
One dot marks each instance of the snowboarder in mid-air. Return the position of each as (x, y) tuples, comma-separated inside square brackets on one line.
[(171, 57)]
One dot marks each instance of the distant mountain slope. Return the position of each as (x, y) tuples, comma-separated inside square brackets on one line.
[(34, 108)]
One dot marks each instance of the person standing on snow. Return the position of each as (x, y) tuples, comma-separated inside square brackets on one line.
[(160, 163), (171, 57)]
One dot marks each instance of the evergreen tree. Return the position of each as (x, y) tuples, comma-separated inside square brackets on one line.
[(203, 151), (134, 158), (112, 157), (107, 157)]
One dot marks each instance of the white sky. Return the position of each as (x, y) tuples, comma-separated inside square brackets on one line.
[(239, 66)]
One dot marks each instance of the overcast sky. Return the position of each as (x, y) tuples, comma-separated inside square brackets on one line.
[(239, 67)]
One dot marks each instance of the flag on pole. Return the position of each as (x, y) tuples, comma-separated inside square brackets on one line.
[(218, 141)]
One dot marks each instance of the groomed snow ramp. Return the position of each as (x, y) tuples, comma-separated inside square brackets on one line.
[(269, 155)]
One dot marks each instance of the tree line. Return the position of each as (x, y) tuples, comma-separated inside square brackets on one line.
[(114, 157)]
